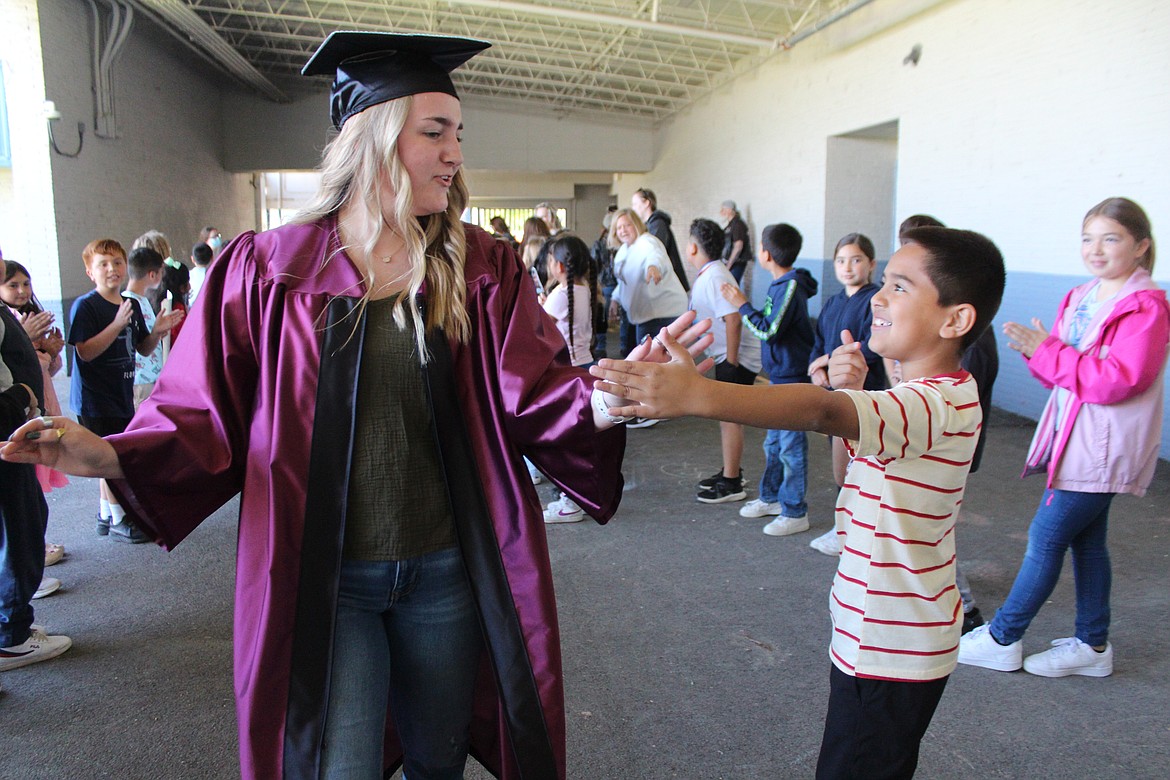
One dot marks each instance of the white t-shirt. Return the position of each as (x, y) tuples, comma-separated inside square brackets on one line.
[(146, 367), (198, 274), (708, 301), (557, 305)]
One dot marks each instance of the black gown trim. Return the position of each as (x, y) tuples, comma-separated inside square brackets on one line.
[(321, 543), (321, 554), (520, 701)]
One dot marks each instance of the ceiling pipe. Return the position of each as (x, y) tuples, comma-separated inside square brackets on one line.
[(821, 24), (622, 21), (105, 52), (201, 38)]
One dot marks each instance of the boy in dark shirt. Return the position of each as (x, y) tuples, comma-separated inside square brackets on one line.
[(106, 330), (787, 333)]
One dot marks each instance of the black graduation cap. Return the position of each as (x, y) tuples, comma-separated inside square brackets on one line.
[(374, 67)]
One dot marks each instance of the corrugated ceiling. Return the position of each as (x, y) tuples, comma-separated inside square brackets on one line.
[(639, 59)]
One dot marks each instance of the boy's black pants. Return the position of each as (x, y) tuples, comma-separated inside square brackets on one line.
[(873, 727)]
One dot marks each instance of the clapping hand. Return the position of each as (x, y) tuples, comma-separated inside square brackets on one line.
[(1023, 339), (37, 325)]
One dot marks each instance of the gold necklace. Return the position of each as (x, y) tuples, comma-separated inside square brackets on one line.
[(388, 258)]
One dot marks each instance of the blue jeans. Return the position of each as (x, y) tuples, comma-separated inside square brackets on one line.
[(785, 478), (1066, 519), (407, 633), (601, 343), (23, 516)]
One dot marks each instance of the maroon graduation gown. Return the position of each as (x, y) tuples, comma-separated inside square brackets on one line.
[(258, 398)]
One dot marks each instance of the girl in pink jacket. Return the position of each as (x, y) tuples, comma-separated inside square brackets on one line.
[(1098, 435)]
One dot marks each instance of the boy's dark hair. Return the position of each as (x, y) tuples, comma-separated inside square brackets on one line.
[(965, 267), (142, 261), (916, 221), (708, 236), (782, 242), (201, 254)]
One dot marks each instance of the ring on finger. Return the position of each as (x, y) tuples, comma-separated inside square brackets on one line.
[(60, 433), (47, 421)]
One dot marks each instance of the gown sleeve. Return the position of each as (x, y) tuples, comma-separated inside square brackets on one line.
[(543, 404)]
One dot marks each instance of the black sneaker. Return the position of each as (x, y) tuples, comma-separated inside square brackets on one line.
[(103, 526), (709, 482), (722, 491), (127, 532), (972, 620)]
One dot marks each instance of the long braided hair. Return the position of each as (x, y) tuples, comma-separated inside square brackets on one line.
[(571, 252)]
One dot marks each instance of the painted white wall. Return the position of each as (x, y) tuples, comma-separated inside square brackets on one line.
[(1017, 119), (28, 229)]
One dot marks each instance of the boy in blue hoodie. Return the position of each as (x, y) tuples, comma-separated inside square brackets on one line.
[(787, 333)]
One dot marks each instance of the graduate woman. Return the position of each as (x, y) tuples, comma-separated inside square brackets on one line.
[(370, 379)]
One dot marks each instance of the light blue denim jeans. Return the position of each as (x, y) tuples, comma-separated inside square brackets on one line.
[(407, 634), (1066, 519), (785, 478)]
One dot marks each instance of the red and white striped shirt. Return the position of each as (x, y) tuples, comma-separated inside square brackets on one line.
[(895, 608)]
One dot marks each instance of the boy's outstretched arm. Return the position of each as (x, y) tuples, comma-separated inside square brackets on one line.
[(677, 389)]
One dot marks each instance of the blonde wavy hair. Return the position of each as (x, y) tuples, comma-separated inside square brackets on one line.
[(611, 239), (436, 245)]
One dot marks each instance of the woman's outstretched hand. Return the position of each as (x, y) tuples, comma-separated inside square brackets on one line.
[(659, 383), (60, 443), (686, 330)]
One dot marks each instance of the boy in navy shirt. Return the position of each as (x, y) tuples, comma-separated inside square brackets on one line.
[(106, 330), (787, 335)]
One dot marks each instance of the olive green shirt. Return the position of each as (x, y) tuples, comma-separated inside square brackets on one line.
[(398, 503)]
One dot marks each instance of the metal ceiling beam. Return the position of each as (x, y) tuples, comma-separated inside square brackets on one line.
[(621, 21), (588, 38), (204, 40)]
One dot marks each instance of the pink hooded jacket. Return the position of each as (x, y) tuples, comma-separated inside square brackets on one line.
[(1110, 428)]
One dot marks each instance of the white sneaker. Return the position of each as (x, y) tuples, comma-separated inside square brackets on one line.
[(642, 422), (784, 526), (758, 508), (979, 648), (563, 510), (828, 543), (38, 647), (48, 585), (1071, 656)]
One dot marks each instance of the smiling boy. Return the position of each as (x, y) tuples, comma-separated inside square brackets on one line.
[(895, 609), (106, 330)]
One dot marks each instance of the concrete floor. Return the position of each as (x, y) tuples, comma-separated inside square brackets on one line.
[(694, 645)]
